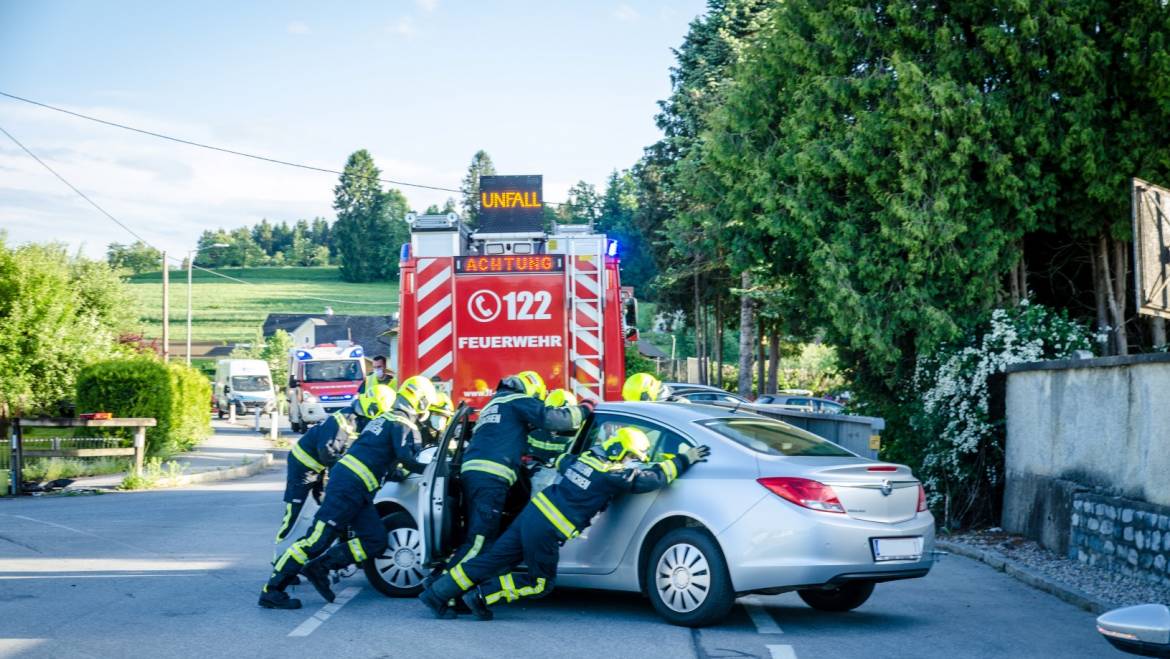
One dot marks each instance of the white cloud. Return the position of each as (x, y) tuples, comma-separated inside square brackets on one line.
[(427, 5), (403, 27), (625, 13), (297, 27)]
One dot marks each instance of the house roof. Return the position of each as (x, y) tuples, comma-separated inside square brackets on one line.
[(367, 331), (650, 350)]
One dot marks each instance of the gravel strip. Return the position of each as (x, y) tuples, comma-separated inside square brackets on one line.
[(1113, 589)]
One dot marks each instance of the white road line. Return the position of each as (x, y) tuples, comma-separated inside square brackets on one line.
[(70, 528), (309, 626), (764, 622), (782, 652), (97, 576)]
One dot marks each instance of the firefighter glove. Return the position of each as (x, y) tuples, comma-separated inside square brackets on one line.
[(697, 454)]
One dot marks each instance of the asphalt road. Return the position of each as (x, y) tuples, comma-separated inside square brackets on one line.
[(176, 574)]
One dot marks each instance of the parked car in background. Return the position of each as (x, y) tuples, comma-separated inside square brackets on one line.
[(704, 394), (243, 384), (775, 509), (808, 403)]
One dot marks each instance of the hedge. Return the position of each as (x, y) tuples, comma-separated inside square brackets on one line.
[(176, 395)]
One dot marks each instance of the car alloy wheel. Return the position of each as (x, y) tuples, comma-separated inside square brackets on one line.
[(683, 577), (400, 564)]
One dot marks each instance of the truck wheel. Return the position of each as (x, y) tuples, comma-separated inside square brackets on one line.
[(846, 597), (398, 572), (687, 579)]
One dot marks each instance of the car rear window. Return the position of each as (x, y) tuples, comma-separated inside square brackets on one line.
[(774, 438)]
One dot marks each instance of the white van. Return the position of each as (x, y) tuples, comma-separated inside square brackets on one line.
[(244, 383)]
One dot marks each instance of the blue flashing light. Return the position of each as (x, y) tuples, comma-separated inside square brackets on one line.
[(404, 253), (612, 250), (303, 354), (356, 352)]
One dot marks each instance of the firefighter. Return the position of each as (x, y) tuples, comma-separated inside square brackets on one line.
[(441, 412), (644, 387), (546, 445), (585, 486), (319, 448), (499, 439), (349, 499)]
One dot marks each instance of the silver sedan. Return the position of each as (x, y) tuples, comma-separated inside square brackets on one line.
[(775, 509)]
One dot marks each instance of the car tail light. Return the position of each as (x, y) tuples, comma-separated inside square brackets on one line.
[(882, 468), (804, 493), (921, 498)]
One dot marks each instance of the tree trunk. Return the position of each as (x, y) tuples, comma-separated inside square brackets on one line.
[(1014, 287), (1114, 291), (1099, 295), (747, 339), (773, 361), (1158, 332), (717, 334), (699, 357), (761, 358)]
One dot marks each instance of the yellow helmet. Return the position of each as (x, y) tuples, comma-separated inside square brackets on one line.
[(627, 441), (643, 386), (442, 405), (375, 400), (419, 394), (533, 384), (560, 398)]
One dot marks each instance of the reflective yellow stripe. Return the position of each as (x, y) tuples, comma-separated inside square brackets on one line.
[(554, 516), (528, 591), (355, 548), (489, 467), (509, 586), (461, 578), (669, 469), (546, 446), (400, 419), (595, 463), (304, 458), (575, 415), (280, 534), (361, 470), (294, 552), (493, 598), (496, 401), (474, 551), (341, 421)]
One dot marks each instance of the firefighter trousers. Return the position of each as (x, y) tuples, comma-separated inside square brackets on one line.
[(531, 539), (347, 504), (485, 496), (298, 485)]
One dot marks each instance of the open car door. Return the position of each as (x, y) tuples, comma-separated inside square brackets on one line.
[(438, 496)]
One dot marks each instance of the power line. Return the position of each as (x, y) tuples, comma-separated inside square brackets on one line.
[(233, 152), (146, 242)]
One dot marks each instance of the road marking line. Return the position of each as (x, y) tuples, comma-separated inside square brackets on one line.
[(782, 651), (70, 528), (764, 622), (309, 626), (96, 576)]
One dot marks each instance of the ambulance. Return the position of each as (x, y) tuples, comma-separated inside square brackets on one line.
[(321, 380), (476, 306)]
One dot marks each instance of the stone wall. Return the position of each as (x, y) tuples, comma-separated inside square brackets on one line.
[(1122, 535), (1088, 440)]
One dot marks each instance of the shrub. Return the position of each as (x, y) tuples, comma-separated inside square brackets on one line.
[(177, 396)]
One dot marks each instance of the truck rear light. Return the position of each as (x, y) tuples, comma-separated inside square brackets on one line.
[(804, 493), (921, 498)]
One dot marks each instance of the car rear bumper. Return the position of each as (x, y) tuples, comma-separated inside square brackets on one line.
[(779, 546)]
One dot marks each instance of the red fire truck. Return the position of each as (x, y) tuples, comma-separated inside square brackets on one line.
[(476, 307)]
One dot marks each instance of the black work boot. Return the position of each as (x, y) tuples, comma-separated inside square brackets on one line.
[(318, 575), (479, 608), (438, 595), (277, 599)]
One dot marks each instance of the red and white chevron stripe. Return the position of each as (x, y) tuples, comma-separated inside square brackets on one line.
[(585, 326), (435, 318)]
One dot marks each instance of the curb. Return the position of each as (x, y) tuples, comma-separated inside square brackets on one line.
[(243, 471), (1002, 563)]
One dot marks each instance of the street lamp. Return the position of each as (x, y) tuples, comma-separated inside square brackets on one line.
[(190, 263)]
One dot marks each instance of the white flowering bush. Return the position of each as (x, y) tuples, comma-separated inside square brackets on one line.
[(962, 461)]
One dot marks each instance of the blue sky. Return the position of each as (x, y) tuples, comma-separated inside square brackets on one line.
[(567, 90)]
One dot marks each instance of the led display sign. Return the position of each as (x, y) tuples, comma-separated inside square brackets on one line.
[(496, 265), (510, 204)]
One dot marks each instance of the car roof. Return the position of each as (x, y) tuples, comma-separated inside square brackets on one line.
[(675, 412)]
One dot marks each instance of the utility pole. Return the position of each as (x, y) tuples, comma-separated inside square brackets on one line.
[(166, 310)]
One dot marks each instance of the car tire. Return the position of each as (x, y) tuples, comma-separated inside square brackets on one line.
[(687, 579), (398, 571), (846, 597)]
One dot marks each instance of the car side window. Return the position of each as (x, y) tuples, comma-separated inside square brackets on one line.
[(702, 397), (664, 443)]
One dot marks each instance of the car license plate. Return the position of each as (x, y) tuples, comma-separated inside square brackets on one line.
[(897, 549)]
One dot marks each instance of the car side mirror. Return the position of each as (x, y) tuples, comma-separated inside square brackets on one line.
[(1143, 630)]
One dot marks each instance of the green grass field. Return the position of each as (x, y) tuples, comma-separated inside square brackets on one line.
[(227, 311)]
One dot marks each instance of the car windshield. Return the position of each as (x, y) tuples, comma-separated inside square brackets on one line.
[(774, 438), (251, 383), (332, 371)]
